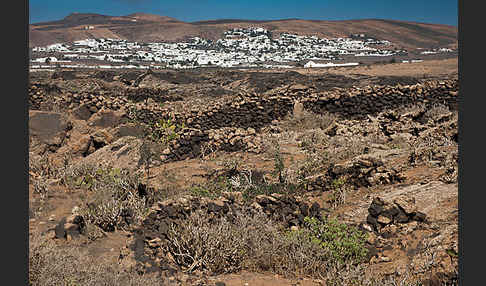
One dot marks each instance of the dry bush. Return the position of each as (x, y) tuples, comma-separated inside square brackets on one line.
[(339, 189), (435, 111), (398, 142), (51, 264), (42, 167), (110, 212), (291, 254), (344, 148), (307, 120), (250, 182), (314, 163), (93, 232), (93, 177), (244, 241), (199, 244), (413, 108), (313, 141), (41, 187), (43, 174), (207, 151), (113, 200), (336, 276)]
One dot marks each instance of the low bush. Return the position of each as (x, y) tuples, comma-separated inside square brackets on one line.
[(338, 192), (51, 264), (346, 244), (165, 131), (253, 242), (113, 201), (435, 111), (249, 182), (307, 120)]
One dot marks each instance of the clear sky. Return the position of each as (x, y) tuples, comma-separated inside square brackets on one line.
[(427, 11)]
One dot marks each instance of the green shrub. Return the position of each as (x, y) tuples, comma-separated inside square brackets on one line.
[(346, 244), (212, 188), (165, 131)]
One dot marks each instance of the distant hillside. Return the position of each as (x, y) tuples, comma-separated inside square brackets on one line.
[(143, 27)]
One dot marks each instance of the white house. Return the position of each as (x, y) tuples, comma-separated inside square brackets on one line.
[(312, 64)]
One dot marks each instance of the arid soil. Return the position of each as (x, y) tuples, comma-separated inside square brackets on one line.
[(156, 178)]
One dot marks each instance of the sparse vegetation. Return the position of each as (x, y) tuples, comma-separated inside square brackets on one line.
[(279, 166), (435, 111), (275, 179), (165, 131), (113, 201), (307, 120), (338, 192), (345, 244), (52, 264), (255, 243)]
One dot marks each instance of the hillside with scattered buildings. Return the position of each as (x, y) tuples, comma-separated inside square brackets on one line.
[(238, 47), (142, 27)]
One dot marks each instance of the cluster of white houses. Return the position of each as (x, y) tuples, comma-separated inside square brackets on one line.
[(436, 51), (240, 47)]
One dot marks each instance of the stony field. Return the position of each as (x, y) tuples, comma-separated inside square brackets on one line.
[(233, 177)]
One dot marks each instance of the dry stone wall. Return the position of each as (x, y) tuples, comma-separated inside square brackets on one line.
[(359, 102), (256, 111), (231, 123)]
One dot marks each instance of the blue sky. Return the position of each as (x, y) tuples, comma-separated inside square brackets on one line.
[(428, 11)]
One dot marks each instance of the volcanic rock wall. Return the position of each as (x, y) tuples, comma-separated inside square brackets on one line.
[(230, 123), (371, 100), (256, 111)]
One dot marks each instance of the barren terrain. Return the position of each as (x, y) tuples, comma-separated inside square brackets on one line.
[(341, 176)]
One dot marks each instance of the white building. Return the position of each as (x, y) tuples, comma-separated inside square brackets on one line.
[(312, 64)]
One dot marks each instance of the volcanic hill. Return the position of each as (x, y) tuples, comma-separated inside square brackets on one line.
[(142, 27)]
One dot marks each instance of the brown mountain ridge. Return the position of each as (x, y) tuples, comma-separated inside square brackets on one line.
[(142, 27)]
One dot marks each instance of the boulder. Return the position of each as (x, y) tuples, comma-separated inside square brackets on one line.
[(106, 118), (48, 127), (123, 153), (128, 129), (400, 210), (69, 227), (406, 204), (82, 112)]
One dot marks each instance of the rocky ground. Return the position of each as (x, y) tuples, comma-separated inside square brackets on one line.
[(227, 177)]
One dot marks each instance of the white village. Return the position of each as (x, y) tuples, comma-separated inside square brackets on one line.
[(239, 48)]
